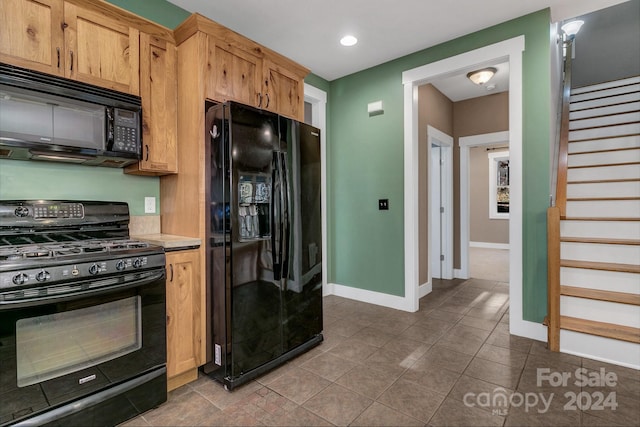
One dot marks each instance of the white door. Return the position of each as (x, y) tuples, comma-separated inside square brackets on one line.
[(441, 203), (436, 254)]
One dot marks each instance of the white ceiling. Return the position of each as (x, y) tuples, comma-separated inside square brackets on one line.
[(309, 31)]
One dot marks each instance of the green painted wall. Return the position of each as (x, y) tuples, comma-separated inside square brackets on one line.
[(365, 155), (50, 180), (159, 11)]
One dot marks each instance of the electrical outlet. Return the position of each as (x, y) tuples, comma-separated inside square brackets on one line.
[(149, 205), (383, 204)]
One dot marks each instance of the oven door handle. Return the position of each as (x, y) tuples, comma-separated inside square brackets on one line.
[(86, 288)]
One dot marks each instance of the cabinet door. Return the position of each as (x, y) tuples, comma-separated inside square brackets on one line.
[(234, 74), (184, 296), (31, 35), (283, 90), (159, 93), (100, 50)]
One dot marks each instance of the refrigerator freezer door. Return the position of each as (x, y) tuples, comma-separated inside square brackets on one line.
[(302, 289)]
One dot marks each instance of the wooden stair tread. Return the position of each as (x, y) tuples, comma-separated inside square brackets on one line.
[(602, 329), (605, 266), (601, 240), (604, 181), (602, 165), (600, 295), (601, 199), (578, 218)]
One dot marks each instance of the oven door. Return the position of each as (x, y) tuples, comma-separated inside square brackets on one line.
[(82, 339)]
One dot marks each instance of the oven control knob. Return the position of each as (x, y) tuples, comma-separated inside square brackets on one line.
[(21, 211), (20, 278), (94, 269), (43, 276), (137, 263), (120, 265)]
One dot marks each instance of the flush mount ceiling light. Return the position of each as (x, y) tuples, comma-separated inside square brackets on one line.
[(348, 40), (482, 76), (572, 28)]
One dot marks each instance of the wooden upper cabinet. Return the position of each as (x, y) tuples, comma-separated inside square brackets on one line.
[(101, 50), (239, 69), (62, 38), (31, 35), (159, 93), (232, 73), (283, 90)]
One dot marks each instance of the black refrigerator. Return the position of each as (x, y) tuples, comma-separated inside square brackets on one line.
[(264, 241)]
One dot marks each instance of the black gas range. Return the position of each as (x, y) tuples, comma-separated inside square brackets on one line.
[(82, 315)]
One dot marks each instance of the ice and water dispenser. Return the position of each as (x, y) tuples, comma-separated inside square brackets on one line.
[(254, 204)]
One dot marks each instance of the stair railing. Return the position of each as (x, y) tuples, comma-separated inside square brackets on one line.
[(557, 209)]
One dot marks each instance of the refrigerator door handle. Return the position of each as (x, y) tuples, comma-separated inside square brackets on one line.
[(276, 214), (286, 217)]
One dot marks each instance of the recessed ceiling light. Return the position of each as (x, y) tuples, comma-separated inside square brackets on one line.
[(348, 40)]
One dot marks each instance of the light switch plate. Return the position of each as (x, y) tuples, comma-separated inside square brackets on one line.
[(149, 205)]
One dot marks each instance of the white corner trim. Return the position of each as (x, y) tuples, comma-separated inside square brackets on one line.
[(318, 100), (459, 273)]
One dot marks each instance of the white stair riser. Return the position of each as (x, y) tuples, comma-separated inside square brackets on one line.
[(605, 144), (595, 252), (605, 189), (604, 158), (604, 172), (605, 120), (600, 311), (604, 93), (600, 229), (604, 132), (606, 85), (614, 281), (608, 350), (607, 109), (628, 97), (604, 209)]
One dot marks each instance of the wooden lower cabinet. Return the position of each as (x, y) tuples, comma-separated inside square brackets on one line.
[(184, 317)]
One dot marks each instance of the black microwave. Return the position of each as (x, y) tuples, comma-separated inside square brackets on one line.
[(44, 117)]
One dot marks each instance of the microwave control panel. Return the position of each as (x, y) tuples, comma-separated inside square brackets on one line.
[(126, 131)]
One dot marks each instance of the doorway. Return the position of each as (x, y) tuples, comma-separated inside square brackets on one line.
[(511, 51)]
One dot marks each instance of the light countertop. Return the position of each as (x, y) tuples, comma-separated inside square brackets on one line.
[(168, 241)]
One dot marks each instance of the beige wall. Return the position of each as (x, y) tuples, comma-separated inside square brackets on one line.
[(474, 116), (435, 110), (481, 227)]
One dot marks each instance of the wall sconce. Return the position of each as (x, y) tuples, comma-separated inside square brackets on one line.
[(572, 28), (482, 76)]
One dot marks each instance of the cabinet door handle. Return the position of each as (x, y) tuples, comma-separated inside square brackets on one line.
[(268, 99), (58, 53), (146, 159), (71, 52), (171, 269), (259, 100)]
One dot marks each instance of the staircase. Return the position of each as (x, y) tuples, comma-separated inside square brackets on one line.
[(598, 250)]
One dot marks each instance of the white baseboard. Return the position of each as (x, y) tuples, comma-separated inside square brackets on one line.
[(372, 297), (459, 274), (425, 289), (527, 329), (489, 245)]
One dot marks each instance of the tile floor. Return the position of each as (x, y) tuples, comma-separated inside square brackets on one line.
[(451, 363)]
